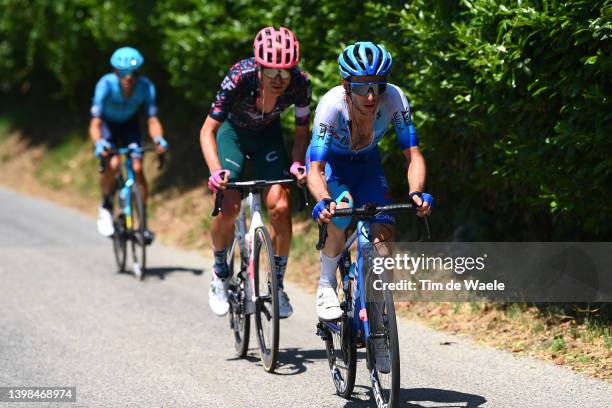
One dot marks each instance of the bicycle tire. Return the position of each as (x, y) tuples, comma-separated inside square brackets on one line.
[(339, 347), (266, 305), (120, 242), (240, 322), (137, 233), (385, 397)]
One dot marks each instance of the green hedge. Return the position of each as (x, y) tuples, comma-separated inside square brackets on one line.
[(511, 98)]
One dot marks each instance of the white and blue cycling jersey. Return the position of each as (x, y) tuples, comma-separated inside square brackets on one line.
[(331, 134), (360, 172), (110, 104)]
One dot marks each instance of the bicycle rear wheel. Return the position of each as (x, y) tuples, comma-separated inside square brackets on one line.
[(120, 242), (138, 227), (342, 358), (266, 305), (240, 322), (383, 325)]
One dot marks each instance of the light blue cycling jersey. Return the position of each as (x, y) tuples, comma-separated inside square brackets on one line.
[(331, 131), (110, 104)]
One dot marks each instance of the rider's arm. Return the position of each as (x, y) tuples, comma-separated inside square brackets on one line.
[(417, 168), (302, 116), (95, 129), (409, 143), (97, 105), (301, 143), (155, 127), (208, 143), (316, 181)]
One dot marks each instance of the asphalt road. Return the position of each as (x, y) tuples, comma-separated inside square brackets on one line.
[(68, 319)]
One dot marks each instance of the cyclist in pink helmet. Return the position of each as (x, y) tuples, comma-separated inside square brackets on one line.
[(244, 122)]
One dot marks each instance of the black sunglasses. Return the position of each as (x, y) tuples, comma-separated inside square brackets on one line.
[(363, 88)]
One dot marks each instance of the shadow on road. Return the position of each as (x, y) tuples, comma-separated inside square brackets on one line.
[(162, 271), (423, 398), (293, 361)]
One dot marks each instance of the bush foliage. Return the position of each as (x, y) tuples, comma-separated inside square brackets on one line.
[(511, 98)]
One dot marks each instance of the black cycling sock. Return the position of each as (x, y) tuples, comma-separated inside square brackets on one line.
[(281, 265), (221, 269), (107, 202)]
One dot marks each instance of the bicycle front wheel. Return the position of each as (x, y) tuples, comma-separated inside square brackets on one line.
[(266, 293), (138, 227), (240, 322), (385, 373)]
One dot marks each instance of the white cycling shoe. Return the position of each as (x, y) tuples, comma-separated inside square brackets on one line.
[(328, 306), (284, 306), (105, 222), (217, 296)]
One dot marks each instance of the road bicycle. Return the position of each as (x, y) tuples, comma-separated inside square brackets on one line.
[(253, 287), (130, 221), (365, 316)]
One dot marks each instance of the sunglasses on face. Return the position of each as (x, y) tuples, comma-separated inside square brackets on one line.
[(127, 72), (274, 72), (363, 88)]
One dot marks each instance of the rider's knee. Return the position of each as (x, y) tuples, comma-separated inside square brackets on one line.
[(279, 208), (137, 166), (113, 165), (231, 208)]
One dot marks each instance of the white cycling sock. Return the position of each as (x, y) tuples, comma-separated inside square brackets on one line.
[(328, 271)]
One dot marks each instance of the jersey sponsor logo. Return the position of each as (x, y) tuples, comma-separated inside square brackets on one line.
[(323, 129), (407, 118), (227, 84), (398, 120), (271, 156)]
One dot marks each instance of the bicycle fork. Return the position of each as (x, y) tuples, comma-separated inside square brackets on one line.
[(254, 204)]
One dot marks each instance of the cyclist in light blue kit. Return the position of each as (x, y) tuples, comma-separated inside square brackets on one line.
[(117, 99), (344, 160)]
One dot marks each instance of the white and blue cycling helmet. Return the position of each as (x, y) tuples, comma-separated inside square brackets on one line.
[(126, 58), (364, 58)]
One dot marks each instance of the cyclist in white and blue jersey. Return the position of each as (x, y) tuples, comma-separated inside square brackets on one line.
[(344, 160), (118, 98)]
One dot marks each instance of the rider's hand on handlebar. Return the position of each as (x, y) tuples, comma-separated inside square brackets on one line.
[(102, 148), (322, 212), (218, 180), (161, 144), (299, 171), (424, 202)]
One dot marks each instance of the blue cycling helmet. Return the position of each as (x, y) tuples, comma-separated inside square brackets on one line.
[(365, 58), (126, 58)]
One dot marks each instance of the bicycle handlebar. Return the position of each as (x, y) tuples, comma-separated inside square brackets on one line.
[(256, 185), (368, 210), (161, 158)]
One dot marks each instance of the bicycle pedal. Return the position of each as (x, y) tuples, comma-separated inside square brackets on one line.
[(322, 332)]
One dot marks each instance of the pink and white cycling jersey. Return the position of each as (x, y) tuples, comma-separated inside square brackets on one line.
[(235, 100)]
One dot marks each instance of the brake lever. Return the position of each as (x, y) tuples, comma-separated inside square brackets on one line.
[(322, 236)]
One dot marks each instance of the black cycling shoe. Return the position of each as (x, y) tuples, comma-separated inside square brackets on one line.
[(148, 236)]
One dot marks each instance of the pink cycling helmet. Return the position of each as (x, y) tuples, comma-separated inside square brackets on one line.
[(276, 48)]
